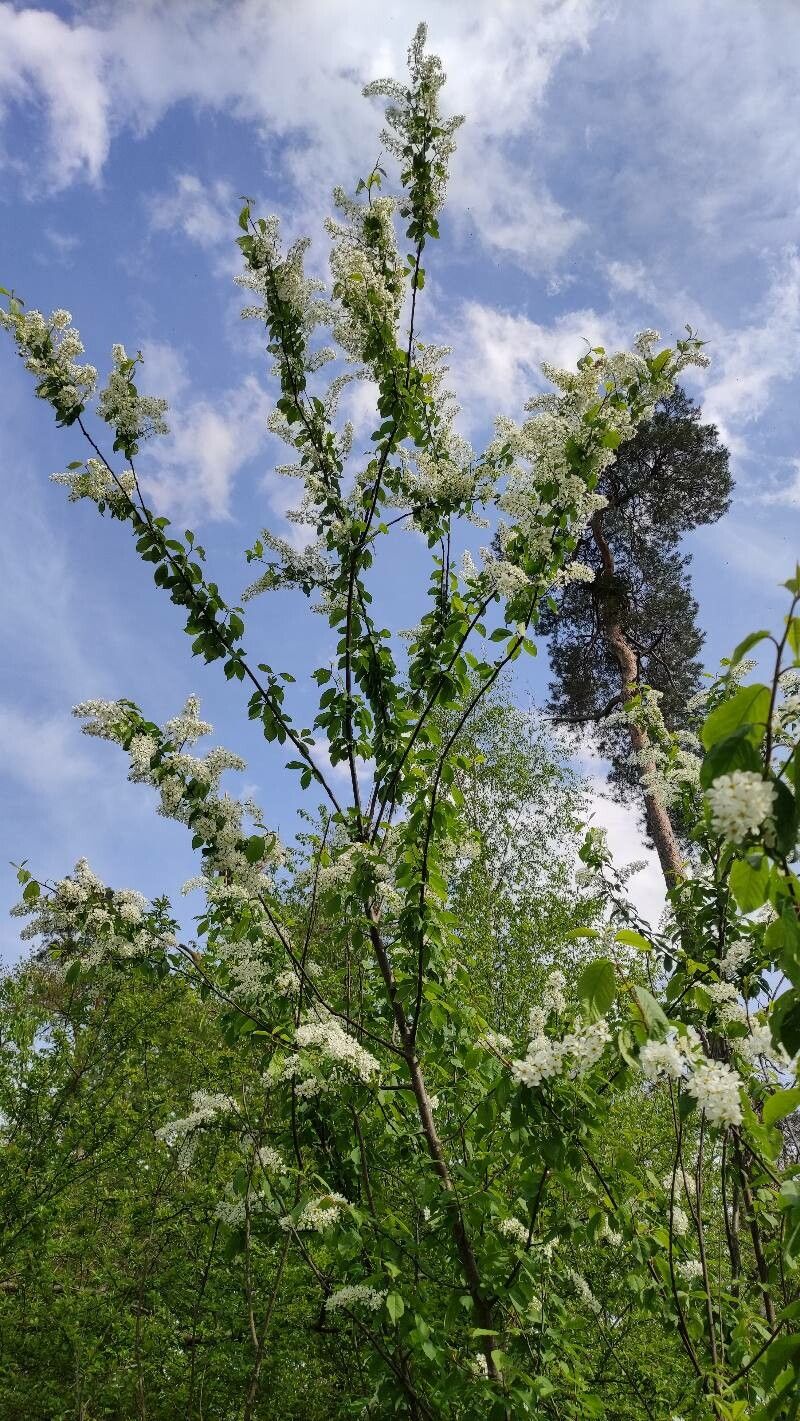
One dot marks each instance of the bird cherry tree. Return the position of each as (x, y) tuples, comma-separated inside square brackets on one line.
[(453, 1193)]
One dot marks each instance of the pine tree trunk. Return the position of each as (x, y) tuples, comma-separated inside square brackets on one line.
[(659, 824)]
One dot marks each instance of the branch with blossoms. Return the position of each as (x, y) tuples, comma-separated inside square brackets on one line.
[(339, 963)]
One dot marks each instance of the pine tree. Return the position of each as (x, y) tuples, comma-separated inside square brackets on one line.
[(637, 622)]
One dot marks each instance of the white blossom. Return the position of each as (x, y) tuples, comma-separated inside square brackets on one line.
[(716, 1086), (206, 1108), (662, 1058), (134, 417), (317, 1215), (740, 802), (736, 955), (553, 998), (355, 1295), (690, 1269), (328, 1037), (514, 1230)]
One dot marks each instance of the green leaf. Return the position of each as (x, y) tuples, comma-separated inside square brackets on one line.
[(655, 1019), (781, 1104), (749, 885), (782, 941), (785, 817), (395, 1306), (735, 752), (597, 986), (745, 645), (254, 848), (785, 1022), (748, 707), (634, 939), (31, 891)]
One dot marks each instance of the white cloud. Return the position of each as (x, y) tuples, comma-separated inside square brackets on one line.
[(202, 212), (40, 752), (296, 72), (621, 822), (748, 361), (192, 471), (61, 66), (497, 356)]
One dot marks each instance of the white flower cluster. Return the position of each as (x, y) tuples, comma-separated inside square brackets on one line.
[(726, 999), (503, 577), (660, 1059), (327, 1056), (496, 1042), (759, 1049), (544, 493), (668, 762), (91, 922), (228, 878), (583, 1290), (50, 349), (306, 567), (95, 480), (369, 276), (514, 1230), (609, 1235), (716, 1087), (427, 78), (553, 998), (734, 959), (134, 417), (680, 1221), (183, 1133), (355, 1295), (574, 1054), (234, 1208), (690, 1269), (740, 803), (318, 1214), (272, 277)]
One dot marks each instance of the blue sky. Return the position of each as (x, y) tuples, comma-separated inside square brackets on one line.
[(622, 165)]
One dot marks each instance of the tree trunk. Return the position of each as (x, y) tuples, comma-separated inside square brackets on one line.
[(659, 824)]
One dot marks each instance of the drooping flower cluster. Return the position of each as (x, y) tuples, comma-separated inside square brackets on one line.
[(573, 1055), (317, 1215), (556, 457), (308, 568), (690, 1270), (133, 417), (583, 1290), (184, 1134), (514, 1230), (716, 1087), (726, 1001), (660, 1059), (162, 760), (355, 1295), (740, 803), (49, 348), (232, 875), (80, 918), (327, 1038), (94, 480), (735, 958), (369, 277)]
